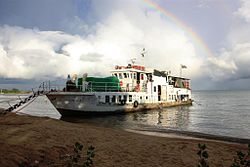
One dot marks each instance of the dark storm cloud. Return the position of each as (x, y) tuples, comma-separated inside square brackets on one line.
[(26, 84), (45, 14)]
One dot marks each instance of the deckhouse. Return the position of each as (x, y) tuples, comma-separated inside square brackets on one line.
[(154, 84)]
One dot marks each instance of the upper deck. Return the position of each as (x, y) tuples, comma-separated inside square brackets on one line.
[(130, 78)]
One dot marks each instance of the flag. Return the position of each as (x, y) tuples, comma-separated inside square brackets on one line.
[(143, 52), (183, 66)]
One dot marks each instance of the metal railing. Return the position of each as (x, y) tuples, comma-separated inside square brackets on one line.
[(91, 87), (49, 86), (111, 87)]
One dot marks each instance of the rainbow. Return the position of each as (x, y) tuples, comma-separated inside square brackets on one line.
[(193, 35)]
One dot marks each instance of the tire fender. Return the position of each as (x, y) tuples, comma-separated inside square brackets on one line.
[(123, 102), (136, 103)]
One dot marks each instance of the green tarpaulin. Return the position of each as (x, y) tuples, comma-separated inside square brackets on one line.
[(97, 84)]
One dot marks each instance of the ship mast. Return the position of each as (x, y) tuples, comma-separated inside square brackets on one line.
[(143, 53)]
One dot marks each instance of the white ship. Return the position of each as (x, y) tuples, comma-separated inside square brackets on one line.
[(130, 88)]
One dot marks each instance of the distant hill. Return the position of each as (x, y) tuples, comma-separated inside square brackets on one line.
[(14, 91)]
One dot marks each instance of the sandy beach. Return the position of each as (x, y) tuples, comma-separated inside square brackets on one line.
[(43, 140)]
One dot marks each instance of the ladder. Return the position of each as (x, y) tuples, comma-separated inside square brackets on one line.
[(43, 89)]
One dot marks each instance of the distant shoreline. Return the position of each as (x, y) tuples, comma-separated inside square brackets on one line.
[(13, 91)]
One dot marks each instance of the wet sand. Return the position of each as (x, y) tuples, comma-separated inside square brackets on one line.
[(45, 140)]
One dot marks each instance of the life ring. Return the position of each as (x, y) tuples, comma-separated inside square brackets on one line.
[(136, 104), (123, 102), (121, 83)]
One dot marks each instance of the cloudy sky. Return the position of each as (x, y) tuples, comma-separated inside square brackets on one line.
[(48, 39)]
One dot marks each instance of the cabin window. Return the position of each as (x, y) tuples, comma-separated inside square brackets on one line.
[(134, 75), (150, 77), (107, 99), (125, 75), (113, 99), (130, 98), (115, 75), (169, 97), (154, 88), (131, 75), (140, 97), (172, 97), (125, 98), (146, 97), (142, 76), (119, 97), (120, 76)]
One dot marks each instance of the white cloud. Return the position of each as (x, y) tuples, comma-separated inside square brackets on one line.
[(121, 30), (31, 53), (222, 67), (244, 10), (232, 63)]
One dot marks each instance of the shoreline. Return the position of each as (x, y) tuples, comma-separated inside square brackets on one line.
[(190, 135), (147, 130), (42, 139)]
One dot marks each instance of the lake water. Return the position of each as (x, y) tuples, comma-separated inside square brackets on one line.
[(224, 113)]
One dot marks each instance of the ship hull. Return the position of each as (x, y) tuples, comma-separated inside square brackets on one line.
[(77, 103)]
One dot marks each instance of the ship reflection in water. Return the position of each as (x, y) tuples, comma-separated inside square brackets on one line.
[(173, 118)]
